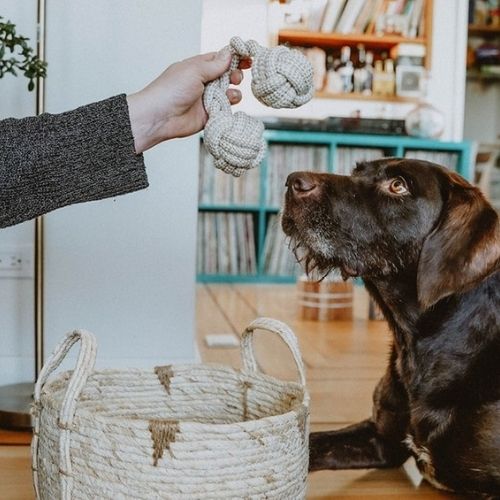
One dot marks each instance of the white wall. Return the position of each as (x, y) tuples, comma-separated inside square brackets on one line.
[(482, 112), (16, 295), (123, 268), (223, 19)]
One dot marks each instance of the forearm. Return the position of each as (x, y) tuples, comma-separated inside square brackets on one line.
[(51, 161)]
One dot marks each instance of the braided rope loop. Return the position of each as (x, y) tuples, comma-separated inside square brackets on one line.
[(84, 366), (281, 78), (272, 326)]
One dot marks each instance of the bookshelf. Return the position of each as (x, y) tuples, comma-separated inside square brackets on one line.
[(288, 151), (486, 74), (311, 39), (365, 29), (484, 30)]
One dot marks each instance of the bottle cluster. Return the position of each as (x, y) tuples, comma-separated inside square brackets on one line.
[(356, 71)]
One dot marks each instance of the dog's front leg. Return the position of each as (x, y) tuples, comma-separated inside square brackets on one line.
[(372, 443), (358, 446)]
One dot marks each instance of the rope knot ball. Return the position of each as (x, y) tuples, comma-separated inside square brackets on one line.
[(281, 78)]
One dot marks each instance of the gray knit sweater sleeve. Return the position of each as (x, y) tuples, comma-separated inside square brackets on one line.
[(49, 161)]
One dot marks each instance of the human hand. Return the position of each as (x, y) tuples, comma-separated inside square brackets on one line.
[(171, 106)]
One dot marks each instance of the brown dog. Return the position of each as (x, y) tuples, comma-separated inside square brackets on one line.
[(427, 246)]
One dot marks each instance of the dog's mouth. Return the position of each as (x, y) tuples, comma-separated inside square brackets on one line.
[(318, 260), (311, 238)]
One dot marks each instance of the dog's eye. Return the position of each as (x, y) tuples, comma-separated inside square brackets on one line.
[(398, 186)]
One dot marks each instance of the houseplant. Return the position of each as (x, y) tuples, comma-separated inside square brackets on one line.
[(17, 56)]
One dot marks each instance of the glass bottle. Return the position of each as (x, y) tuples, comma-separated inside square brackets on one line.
[(378, 78), (346, 69), (367, 85), (333, 79), (390, 77), (360, 73)]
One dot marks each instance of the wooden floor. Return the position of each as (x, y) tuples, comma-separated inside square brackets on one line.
[(344, 360)]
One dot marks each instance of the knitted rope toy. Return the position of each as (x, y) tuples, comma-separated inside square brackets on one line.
[(281, 78)]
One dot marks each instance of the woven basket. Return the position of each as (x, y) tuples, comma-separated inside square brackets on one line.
[(177, 432)]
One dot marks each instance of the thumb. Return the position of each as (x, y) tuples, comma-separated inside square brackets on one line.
[(214, 65)]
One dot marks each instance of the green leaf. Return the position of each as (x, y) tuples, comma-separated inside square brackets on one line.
[(22, 56)]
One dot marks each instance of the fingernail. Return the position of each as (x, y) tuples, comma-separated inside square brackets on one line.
[(234, 95)]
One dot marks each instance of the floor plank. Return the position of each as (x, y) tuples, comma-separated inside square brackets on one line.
[(15, 473)]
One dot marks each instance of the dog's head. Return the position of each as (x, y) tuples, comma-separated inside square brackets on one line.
[(394, 215)]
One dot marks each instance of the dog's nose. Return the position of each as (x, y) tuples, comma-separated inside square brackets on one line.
[(300, 183)]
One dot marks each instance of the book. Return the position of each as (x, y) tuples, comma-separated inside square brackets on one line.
[(285, 159), (232, 244), (250, 244), (448, 160), (364, 17), (316, 14), (377, 10), (415, 18), (332, 13), (216, 187), (347, 157), (349, 15), (279, 259)]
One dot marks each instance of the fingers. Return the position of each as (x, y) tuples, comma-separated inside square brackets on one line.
[(234, 96), (213, 64), (236, 77)]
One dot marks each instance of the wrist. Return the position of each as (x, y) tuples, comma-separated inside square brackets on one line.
[(146, 131)]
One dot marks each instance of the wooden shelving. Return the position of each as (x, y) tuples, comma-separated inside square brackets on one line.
[(362, 97), (484, 30), (310, 39), (482, 76), (477, 72)]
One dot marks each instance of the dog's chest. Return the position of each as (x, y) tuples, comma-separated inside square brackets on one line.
[(424, 462), (404, 364)]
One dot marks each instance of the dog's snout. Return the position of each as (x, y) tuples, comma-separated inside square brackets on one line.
[(301, 183)]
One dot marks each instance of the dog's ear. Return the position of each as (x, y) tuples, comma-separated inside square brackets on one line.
[(463, 249)]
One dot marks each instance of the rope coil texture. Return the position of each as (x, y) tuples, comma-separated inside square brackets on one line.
[(281, 78), (176, 432)]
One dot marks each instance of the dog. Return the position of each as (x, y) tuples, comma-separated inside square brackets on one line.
[(427, 245)]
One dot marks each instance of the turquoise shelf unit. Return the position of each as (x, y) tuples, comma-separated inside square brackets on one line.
[(395, 146)]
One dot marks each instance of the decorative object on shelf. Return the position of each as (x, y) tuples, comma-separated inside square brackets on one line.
[(410, 71), (484, 12), (384, 79), (172, 431), (317, 58), (16, 55), (281, 78), (425, 121), (327, 300)]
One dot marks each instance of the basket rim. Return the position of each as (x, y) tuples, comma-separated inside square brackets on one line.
[(47, 401)]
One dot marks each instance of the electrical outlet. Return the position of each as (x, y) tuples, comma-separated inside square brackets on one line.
[(10, 262), (15, 263)]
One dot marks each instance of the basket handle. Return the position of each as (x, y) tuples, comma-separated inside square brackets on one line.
[(272, 326), (84, 366)]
